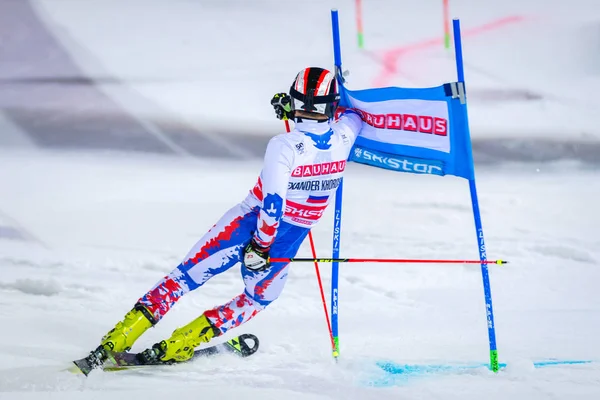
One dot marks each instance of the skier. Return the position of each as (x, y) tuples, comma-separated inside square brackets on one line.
[(301, 172)]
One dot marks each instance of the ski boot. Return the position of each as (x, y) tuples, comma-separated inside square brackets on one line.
[(118, 339), (180, 346), (126, 332)]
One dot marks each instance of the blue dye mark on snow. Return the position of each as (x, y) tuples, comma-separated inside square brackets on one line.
[(398, 374), (549, 363)]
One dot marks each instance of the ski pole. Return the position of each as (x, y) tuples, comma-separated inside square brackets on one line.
[(387, 260)]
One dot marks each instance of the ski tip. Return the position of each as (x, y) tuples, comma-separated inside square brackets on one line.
[(81, 367)]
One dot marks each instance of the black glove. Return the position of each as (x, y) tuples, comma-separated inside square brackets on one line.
[(282, 103), (256, 258)]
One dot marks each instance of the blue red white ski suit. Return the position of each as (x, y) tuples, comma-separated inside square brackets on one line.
[(301, 171)]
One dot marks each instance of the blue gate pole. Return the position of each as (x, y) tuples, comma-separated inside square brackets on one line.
[(337, 222), (475, 202)]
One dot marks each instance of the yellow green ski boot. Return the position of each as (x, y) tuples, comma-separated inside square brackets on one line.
[(126, 332), (180, 346), (119, 339)]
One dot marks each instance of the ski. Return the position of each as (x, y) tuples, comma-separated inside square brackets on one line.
[(87, 364), (243, 346)]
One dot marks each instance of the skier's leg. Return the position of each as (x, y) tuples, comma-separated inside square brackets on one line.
[(262, 288), (212, 323), (217, 251)]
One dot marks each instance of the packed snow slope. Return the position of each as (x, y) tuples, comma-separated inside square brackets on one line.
[(92, 233), (128, 127), (195, 78), (532, 66)]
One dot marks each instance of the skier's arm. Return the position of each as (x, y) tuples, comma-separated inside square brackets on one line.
[(352, 122), (277, 168)]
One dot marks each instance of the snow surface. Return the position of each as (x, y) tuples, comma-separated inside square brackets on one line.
[(83, 235), (537, 75), (102, 229)]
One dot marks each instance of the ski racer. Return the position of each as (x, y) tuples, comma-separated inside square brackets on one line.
[(300, 174)]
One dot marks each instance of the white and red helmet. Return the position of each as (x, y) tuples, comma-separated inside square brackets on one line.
[(315, 90)]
